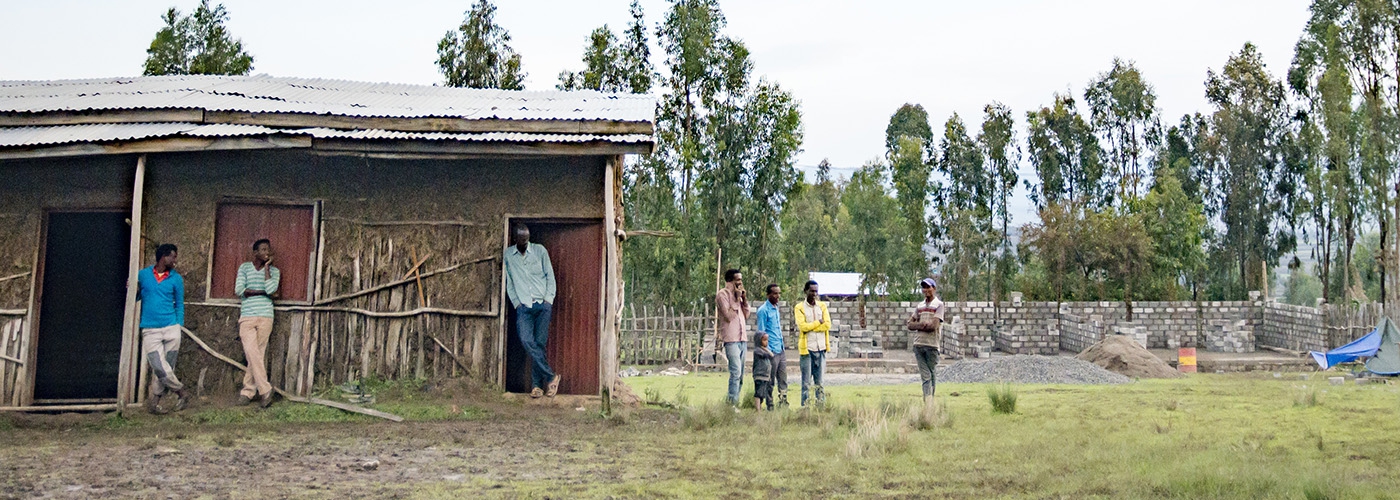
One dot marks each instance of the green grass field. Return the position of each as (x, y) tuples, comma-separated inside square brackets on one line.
[(1207, 436)]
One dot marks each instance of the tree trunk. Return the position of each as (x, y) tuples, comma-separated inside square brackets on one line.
[(1384, 260), (1327, 262), (1349, 239)]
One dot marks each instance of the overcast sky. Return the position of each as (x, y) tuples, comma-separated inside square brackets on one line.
[(850, 63)]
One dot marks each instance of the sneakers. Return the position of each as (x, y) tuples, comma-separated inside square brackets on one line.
[(183, 400), (782, 400), (821, 394), (266, 400), (553, 387), (243, 400), (536, 393), (153, 405)]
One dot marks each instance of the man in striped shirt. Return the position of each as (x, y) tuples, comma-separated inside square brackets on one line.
[(256, 284)]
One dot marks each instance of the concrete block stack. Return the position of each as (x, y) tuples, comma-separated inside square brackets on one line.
[(861, 344), (1019, 339), (1133, 331), (1230, 336)]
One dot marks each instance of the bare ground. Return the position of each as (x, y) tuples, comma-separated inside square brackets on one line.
[(83, 456)]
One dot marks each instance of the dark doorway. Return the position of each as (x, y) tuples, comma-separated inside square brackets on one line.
[(576, 250), (81, 305)]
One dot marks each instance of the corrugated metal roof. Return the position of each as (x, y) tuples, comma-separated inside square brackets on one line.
[(267, 94), (108, 132), (373, 134), (70, 134)]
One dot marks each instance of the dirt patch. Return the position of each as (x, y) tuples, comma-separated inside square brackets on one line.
[(1120, 354)]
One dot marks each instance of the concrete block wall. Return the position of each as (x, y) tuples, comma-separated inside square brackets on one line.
[(1077, 325), (1299, 328)]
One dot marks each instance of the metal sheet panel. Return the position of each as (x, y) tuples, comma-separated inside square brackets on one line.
[(108, 132), (266, 94)]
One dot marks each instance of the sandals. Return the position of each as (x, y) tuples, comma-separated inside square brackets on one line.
[(553, 387)]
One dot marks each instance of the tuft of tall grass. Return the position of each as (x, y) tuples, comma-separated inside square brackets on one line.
[(874, 434), (934, 415), (1003, 398), (716, 413), (1307, 397)]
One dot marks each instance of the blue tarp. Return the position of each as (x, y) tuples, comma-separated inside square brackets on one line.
[(1363, 347)]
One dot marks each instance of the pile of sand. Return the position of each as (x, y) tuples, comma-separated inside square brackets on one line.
[(1120, 354)]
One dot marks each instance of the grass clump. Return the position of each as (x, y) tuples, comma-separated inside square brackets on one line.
[(934, 415), (875, 434), (1003, 399), (1307, 397), (708, 416)]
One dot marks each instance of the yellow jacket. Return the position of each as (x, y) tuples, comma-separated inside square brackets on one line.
[(820, 325)]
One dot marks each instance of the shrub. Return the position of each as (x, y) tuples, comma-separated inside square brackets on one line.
[(1003, 398)]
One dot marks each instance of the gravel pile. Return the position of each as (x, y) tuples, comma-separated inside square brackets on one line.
[(1029, 370)]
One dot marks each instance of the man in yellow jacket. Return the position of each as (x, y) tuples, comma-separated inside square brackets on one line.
[(814, 338)]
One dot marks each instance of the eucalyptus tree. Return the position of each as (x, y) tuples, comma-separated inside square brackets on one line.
[(478, 55), (1123, 107), (196, 44)]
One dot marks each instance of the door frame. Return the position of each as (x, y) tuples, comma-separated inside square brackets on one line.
[(37, 299), (501, 343)]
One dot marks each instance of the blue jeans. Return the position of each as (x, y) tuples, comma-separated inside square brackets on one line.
[(813, 364), (532, 324), (735, 352)]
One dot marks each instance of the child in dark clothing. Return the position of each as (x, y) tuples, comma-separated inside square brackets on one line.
[(762, 373)]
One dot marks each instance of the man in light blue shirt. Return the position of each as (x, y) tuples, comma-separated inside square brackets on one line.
[(770, 322), (530, 287)]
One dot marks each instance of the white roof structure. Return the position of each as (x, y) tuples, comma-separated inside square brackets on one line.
[(840, 284), (79, 117)]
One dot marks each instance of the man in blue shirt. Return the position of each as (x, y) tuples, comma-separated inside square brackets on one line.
[(770, 322), (530, 286), (162, 295)]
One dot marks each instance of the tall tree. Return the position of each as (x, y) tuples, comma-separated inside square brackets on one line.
[(998, 140), (1328, 136), (1066, 155), (813, 224), (1124, 111), (878, 240), (1176, 226), (724, 167), (910, 120), (1249, 174), (478, 54), (964, 207), (611, 65), (910, 175), (197, 44)]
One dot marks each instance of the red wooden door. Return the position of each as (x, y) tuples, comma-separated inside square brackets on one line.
[(576, 251), (290, 228)]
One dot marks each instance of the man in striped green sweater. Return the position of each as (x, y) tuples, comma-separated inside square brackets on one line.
[(256, 284)]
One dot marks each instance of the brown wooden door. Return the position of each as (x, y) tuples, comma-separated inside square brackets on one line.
[(290, 228), (576, 250)]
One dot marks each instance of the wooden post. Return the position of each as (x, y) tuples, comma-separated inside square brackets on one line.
[(612, 276), (130, 328)]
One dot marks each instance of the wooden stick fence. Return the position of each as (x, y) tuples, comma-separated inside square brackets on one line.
[(654, 336), (1343, 323)]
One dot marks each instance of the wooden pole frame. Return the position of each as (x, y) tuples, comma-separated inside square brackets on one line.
[(130, 328)]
